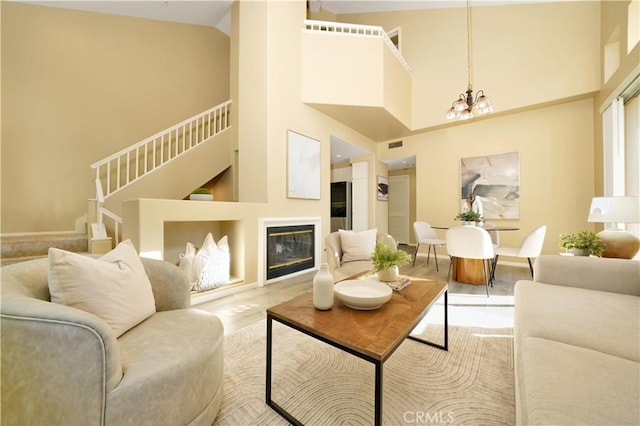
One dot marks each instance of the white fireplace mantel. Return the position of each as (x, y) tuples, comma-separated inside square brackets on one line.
[(267, 222)]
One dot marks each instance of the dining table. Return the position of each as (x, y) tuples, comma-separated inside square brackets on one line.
[(471, 271)]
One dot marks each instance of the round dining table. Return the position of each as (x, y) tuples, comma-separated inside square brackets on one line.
[(471, 271)]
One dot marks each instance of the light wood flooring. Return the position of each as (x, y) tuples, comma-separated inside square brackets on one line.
[(244, 308)]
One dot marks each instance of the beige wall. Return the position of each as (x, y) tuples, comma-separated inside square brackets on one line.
[(613, 27), (556, 174), (281, 61), (78, 86), (523, 55)]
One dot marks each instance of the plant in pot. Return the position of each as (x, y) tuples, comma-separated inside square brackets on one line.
[(583, 243), (386, 261), (470, 217), (202, 194)]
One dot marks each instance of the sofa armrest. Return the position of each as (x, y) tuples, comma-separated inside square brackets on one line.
[(333, 250), (593, 273), (58, 363), (171, 289)]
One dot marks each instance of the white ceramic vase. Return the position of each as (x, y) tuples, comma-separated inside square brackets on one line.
[(389, 274), (323, 288)]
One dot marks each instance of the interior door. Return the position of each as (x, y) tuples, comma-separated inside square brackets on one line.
[(399, 208)]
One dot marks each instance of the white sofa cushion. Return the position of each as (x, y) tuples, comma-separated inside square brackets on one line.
[(114, 287), (561, 384), (602, 321)]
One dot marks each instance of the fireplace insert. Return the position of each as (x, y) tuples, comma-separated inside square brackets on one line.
[(289, 249)]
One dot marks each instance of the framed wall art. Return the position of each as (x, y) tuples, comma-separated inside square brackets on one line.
[(383, 188), (303, 166), (491, 184)]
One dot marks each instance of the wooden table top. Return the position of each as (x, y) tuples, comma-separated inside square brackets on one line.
[(375, 333)]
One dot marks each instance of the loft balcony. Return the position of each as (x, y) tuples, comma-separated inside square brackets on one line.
[(356, 75)]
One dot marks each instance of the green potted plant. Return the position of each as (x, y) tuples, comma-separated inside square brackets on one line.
[(470, 217), (202, 194), (583, 243), (386, 261)]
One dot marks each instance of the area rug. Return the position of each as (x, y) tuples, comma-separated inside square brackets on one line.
[(472, 383)]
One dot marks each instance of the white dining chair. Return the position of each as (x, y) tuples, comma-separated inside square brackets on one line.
[(425, 234), (493, 233), (471, 242), (530, 248)]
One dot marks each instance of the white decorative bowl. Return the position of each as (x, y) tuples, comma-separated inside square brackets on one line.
[(201, 197), (363, 295)]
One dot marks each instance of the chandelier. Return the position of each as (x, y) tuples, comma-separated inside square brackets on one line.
[(463, 107)]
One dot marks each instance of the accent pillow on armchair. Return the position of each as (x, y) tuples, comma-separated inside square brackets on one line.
[(357, 245)]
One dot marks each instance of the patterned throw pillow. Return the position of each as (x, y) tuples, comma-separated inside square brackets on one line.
[(208, 267)]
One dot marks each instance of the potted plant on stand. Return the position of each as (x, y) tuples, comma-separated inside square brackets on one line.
[(583, 243), (386, 261), (470, 217)]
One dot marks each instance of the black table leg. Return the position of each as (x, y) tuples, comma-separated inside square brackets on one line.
[(378, 395), (446, 328)]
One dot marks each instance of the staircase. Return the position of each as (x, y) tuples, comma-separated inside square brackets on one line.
[(19, 248), (119, 177)]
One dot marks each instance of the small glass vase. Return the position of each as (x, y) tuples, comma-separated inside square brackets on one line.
[(389, 274)]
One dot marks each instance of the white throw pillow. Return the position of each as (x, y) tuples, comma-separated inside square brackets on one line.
[(208, 267), (357, 245), (114, 287)]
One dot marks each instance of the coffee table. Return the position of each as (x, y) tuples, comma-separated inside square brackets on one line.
[(370, 335)]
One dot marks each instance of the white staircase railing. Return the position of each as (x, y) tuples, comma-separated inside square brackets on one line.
[(356, 30), (131, 164)]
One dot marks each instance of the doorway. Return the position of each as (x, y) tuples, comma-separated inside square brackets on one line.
[(399, 208)]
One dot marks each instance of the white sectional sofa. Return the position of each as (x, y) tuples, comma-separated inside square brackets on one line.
[(577, 342)]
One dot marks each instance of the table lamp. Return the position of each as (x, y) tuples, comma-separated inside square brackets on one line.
[(620, 243)]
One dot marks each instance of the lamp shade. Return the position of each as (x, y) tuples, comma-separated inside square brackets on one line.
[(615, 210)]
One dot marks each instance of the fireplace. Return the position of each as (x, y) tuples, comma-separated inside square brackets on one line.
[(287, 247)]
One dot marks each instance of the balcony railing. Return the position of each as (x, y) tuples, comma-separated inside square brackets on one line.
[(356, 30)]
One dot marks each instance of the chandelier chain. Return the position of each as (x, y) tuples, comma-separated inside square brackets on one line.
[(469, 45), (465, 105)]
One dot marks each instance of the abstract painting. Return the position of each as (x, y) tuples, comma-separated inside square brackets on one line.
[(491, 184)]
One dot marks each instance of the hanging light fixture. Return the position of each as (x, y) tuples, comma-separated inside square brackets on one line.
[(463, 107)]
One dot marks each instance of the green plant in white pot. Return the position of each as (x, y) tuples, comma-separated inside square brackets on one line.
[(202, 194), (387, 260), (583, 243), (470, 217)]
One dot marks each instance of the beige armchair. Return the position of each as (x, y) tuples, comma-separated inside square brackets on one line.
[(61, 365), (342, 270)]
